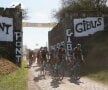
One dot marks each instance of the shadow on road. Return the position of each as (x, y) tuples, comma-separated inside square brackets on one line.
[(38, 69), (35, 66), (40, 77), (77, 82), (55, 83)]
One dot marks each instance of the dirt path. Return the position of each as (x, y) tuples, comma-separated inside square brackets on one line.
[(38, 82)]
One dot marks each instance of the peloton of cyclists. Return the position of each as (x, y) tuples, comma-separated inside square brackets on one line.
[(58, 54)]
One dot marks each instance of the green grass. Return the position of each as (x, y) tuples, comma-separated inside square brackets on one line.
[(101, 76), (97, 74), (16, 80), (97, 57)]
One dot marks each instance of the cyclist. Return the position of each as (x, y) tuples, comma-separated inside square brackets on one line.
[(61, 54), (77, 59), (60, 63), (30, 57), (44, 53)]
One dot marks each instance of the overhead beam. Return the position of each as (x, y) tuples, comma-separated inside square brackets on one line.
[(45, 25)]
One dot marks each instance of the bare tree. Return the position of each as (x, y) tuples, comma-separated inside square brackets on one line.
[(24, 11)]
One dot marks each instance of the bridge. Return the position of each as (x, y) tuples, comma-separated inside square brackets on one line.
[(45, 25)]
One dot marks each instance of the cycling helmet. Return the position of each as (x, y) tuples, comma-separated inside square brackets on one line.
[(79, 45)]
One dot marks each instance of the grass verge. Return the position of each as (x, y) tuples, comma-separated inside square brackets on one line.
[(97, 57), (97, 74), (16, 80)]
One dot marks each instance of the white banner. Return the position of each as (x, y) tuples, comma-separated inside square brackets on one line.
[(87, 26), (6, 29)]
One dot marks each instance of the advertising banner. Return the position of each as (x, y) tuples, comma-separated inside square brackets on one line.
[(88, 26), (6, 29)]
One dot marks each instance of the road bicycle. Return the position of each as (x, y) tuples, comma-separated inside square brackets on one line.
[(59, 70), (75, 71), (43, 68)]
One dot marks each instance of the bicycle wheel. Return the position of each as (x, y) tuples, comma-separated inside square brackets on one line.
[(43, 68), (61, 72), (73, 72), (54, 71), (61, 75), (78, 72)]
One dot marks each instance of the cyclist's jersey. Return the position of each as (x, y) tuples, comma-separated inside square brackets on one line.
[(61, 54), (43, 54), (38, 53), (78, 54), (30, 54)]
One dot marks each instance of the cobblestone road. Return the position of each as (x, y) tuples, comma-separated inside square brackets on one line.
[(38, 82)]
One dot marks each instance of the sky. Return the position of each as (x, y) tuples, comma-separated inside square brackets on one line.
[(39, 11)]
